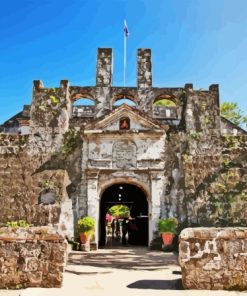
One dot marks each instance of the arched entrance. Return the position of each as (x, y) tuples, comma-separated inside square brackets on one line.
[(133, 197)]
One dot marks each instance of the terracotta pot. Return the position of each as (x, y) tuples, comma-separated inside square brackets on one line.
[(84, 238), (167, 238)]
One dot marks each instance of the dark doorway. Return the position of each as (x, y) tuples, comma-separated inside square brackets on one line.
[(134, 198)]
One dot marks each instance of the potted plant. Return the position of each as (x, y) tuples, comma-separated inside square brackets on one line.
[(85, 227), (167, 228)]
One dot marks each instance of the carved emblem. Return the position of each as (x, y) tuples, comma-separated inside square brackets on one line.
[(124, 154)]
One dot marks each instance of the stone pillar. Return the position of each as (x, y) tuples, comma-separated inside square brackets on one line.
[(50, 108), (49, 117), (93, 199), (214, 91), (203, 120), (157, 184), (82, 187), (190, 125), (144, 68), (104, 67), (82, 197), (66, 219)]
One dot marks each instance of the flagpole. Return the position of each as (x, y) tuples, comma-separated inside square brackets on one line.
[(124, 59)]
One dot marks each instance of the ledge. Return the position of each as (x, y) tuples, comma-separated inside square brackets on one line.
[(44, 233)]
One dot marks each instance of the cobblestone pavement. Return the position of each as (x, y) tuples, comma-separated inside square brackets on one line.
[(120, 271)]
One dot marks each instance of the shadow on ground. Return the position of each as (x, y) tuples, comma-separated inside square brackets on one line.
[(139, 258), (157, 284)]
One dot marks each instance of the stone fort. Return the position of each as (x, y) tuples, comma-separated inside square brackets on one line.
[(167, 154)]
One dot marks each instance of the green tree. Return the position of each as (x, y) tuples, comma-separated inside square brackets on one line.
[(119, 211), (232, 112), (165, 102)]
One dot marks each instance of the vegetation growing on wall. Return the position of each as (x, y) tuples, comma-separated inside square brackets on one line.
[(69, 144), (220, 196), (19, 223), (195, 135)]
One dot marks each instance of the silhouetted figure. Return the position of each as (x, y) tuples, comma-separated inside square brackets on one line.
[(132, 231), (117, 229), (112, 228), (124, 231)]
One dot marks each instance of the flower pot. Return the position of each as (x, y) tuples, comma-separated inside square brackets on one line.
[(84, 238), (167, 238)]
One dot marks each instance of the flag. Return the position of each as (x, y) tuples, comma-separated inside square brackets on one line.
[(126, 31)]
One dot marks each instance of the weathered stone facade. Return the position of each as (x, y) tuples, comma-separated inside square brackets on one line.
[(214, 258), (31, 257), (22, 184), (178, 156)]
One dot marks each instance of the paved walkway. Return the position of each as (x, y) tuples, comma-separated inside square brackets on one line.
[(120, 271)]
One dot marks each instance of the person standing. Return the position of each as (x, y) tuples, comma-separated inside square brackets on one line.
[(132, 231), (112, 227), (117, 229), (124, 230)]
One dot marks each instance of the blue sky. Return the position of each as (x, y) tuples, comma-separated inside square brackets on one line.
[(192, 41)]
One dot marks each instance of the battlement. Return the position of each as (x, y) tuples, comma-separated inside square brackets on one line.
[(39, 85), (104, 73), (55, 108)]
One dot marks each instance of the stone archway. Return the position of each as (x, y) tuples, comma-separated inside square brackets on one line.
[(135, 198)]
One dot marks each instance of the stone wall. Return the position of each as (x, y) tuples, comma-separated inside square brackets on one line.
[(213, 258), (30, 188), (12, 144), (31, 257), (21, 190), (216, 191)]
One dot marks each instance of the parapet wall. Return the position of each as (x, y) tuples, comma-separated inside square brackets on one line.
[(214, 258), (31, 257), (12, 144)]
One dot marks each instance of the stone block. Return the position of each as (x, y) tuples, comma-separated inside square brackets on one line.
[(34, 257), (213, 258)]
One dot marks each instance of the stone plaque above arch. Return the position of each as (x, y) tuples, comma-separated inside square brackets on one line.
[(124, 154)]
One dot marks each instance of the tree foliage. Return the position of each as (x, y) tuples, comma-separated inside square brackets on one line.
[(232, 112), (165, 102), (119, 211)]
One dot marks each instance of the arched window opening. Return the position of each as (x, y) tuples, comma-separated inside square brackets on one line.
[(124, 100), (164, 107), (83, 107), (164, 102), (84, 102)]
